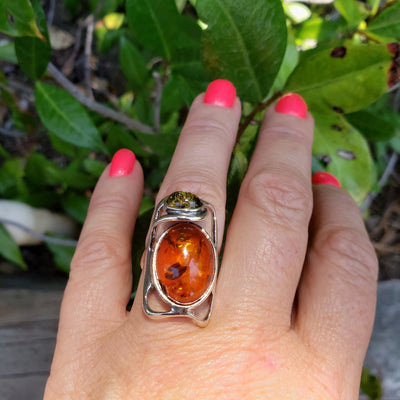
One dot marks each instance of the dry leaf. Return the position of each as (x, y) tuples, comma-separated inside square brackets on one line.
[(60, 39)]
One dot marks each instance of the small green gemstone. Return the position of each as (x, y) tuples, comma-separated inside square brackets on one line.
[(183, 200)]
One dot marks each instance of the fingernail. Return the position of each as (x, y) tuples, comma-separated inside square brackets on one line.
[(122, 163), (292, 104), (220, 93), (325, 178)]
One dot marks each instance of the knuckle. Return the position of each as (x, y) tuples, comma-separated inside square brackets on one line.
[(352, 253), (111, 204), (282, 198), (100, 251), (210, 127)]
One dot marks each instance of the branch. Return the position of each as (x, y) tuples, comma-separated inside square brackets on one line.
[(40, 236), (382, 182), (93, 105), (88, 54), (257, 109), (157, 101)]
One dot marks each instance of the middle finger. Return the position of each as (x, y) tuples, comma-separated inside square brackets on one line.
[(267, 238)]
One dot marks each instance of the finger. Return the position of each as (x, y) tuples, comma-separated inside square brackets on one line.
[(267, 239), (337, 294), (201, 159), (100, 280)]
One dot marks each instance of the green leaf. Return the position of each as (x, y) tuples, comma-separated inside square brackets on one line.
[(40, 172), (244, 43), (372, 126), (64, 116), (62, 256), (76, 206), (345, 79), (34, 53), (290, 60), (156, 24), (370, 385), (162, 144), (345, 153), (94, 167), (9, 249), (23, 18), (352, 10), (387, 23), (7, 53), (132, 64), (12, 184), (237, 170)]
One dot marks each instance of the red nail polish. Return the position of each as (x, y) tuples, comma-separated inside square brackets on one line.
[(325, 178), (122, 163), (220, 93), (292, 104)]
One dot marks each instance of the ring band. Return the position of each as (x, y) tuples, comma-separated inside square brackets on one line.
[(181, 259)]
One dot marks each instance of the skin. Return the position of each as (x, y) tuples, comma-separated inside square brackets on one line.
[(295, 298)]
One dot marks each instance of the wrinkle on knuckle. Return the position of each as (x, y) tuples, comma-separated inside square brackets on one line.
[(351, 252), (210, 127), (291, 133), (99, 250), (279, 197), (111, 203)]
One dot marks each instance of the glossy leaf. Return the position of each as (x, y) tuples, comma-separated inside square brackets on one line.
[(64, 116), (345, 153), (62, 256), (345, 79), (387, 23), (9, 249), (352, 10), (370, 385), (7, 53), (372, 126), (244, 43), (76, 206), (23, 18), (132, 64), (156, 25), (34, 53), (42, 172)]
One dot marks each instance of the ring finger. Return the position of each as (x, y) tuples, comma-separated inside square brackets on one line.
[(201, 159)]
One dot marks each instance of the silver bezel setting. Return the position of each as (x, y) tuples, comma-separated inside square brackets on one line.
[(164, 218)]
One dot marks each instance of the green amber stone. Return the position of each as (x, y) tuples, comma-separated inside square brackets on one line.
[(183, 201)]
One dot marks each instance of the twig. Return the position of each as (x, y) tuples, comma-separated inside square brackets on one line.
[(382, 181), (40, 236), (50, 14), (88, 54), (157, 101), (257, 109), (69, 64), (93, 105), (11, 133)]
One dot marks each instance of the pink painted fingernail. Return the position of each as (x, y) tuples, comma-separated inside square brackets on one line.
[(292, 104), (220, 93), (325, 178), (122, 163)]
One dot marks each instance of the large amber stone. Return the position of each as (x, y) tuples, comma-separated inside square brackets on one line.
[(184, 263)]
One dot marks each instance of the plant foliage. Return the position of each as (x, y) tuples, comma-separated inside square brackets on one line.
[(343, 58)]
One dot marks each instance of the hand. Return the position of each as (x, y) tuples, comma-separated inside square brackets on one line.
[(295, 297)]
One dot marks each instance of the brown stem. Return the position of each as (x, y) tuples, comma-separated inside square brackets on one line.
[(370, 38), (260, 107), (93, 105)]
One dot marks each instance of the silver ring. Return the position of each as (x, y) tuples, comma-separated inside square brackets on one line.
[(181, 259)]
